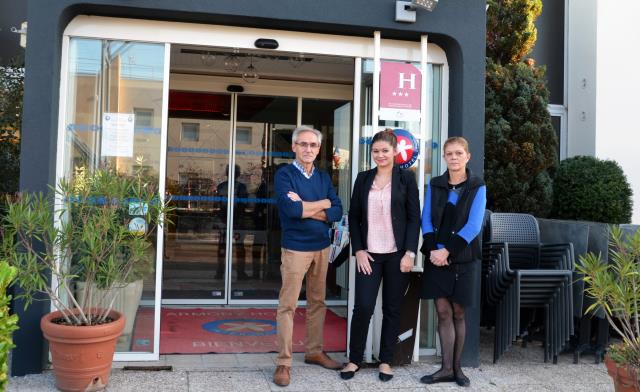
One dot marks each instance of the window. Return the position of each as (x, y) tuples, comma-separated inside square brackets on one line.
[(190, 132), (243, 135), (559, 121), (143, 117)]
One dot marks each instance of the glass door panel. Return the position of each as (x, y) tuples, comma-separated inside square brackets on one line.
[(198, 141), (333, 119), (428, 164), (262, 145), (109, 80)]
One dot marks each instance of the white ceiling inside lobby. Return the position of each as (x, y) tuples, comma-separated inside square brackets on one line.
[(267, 64)]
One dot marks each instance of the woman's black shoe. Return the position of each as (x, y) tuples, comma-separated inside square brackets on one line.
[(348, 375), (385, 376), (434, 378), (462, 380)]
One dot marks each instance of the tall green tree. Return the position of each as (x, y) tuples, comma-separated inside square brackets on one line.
[(520, 142), (11, 93), (511, 29)]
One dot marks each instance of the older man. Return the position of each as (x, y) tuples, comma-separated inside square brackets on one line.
[(307, 202)]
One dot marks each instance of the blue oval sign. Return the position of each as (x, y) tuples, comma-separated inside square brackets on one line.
[(408, 148)]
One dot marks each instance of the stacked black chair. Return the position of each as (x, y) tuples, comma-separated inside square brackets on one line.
[(520, 272)]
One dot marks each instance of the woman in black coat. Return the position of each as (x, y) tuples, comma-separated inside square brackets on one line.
[(451, 222), (384, 224)]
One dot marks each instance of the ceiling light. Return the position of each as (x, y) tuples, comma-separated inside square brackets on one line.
[(297, 61), (232, 62), (250, 75), (207, 59), (428, 5)]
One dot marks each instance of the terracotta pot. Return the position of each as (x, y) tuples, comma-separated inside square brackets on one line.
[(82, 356), (127, 302), (625, 378)]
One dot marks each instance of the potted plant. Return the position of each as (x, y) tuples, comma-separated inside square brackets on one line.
[(615, 288), (103, 234), (126, 294)]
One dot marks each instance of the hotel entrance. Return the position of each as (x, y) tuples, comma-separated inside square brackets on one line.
[(207, 116), (231, 115)]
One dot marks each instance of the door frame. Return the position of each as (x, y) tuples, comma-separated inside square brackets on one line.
[(262, 87)]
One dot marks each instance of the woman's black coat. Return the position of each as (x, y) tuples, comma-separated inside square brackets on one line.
[(405, 209)]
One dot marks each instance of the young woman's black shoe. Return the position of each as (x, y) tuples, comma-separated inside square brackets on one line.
[(348, 375), (385, 376)]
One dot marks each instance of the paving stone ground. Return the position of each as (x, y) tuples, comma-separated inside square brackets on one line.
[(520, 369)]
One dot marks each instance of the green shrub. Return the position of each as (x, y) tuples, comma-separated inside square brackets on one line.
[(8, 322), (511, 29), (588, 188), (520, 142)]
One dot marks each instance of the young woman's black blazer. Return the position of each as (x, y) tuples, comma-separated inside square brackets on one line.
[(405, 209)]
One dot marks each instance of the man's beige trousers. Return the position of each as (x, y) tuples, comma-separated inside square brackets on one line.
[(295, 265)]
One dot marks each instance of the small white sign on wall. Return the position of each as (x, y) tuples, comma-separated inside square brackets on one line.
[(117, 134)]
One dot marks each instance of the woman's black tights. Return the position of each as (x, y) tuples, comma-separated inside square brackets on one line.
[(451, 328)]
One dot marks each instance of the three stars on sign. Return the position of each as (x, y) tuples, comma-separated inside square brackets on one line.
[(406, 94)]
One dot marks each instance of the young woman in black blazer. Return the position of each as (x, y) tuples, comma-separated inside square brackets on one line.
[(385, 249)]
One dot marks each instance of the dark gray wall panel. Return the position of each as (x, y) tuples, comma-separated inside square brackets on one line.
[(549, 49), (12, 14)]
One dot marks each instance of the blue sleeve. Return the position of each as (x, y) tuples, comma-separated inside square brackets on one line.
[(474, 224), (283, 184), (334, 213), (427, 226)]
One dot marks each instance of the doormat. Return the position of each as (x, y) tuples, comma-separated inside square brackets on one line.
[(218, 330)]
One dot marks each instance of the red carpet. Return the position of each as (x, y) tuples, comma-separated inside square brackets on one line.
[(217, 330)]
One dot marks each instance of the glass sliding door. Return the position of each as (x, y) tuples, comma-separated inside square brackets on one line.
[(262, 144), (108, 79), (198, 141), (428, 163), (223, 243), (333, 118)]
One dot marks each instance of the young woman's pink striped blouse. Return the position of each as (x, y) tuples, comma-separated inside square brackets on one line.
[(380, 237)]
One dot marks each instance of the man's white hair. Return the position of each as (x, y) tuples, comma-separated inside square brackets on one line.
[(299, 130)]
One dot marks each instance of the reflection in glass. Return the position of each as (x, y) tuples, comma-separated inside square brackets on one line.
[(197, 184), (333, 119), (262, 145), (431, 155), (107, 79)]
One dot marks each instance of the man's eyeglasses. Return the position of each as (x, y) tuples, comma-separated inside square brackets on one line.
[(305, 145)]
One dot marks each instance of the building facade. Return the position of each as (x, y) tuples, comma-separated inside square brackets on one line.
[(592, 88), (203, 96)]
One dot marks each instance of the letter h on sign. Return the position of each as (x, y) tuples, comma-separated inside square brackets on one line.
[(411, 80)]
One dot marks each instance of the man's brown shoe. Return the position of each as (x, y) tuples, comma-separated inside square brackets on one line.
[(281, 376), (323, 360)]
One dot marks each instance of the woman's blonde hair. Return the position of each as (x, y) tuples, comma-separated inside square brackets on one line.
[(459, 140)]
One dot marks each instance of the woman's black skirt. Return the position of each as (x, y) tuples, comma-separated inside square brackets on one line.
[(458, 282)]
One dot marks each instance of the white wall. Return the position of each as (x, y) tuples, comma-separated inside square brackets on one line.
[(581, 76), (618, 89)]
